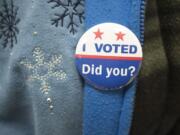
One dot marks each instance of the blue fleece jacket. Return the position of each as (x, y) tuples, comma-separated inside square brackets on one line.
[(110, 112)]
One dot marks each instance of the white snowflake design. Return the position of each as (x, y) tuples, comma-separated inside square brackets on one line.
[(73, 13), (42, 71)]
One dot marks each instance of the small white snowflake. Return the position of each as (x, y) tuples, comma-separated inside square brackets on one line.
[(43, 70)]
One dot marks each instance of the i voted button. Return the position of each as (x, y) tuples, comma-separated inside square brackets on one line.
[(108, 56)]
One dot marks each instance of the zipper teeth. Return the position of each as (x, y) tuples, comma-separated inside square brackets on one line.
[(142, 18)]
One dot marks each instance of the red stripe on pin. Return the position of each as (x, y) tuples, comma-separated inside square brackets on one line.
[(107, 57)]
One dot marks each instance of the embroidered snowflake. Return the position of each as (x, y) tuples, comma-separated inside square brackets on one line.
[(72, 12), (8, 24), (43, 71)]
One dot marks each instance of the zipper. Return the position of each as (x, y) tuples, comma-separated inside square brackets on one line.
[(142, 18)]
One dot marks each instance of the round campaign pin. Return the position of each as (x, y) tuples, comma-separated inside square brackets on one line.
[(108, 56)]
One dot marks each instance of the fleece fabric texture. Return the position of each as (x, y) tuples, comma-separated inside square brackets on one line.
[(157, 110), (40, 89), (23, 107), (110, 112)]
